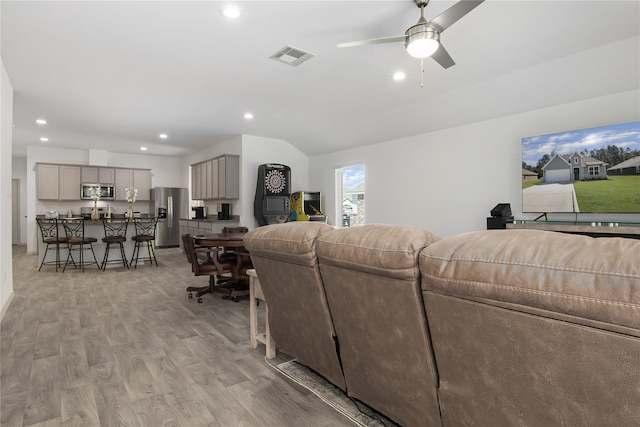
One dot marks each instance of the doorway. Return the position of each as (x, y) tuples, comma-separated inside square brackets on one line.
[(15, 211)]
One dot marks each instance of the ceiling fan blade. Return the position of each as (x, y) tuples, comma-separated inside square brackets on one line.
[(390, 39), (441, 56), (455, 12)]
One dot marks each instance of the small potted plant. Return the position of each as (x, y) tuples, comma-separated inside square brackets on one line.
[(130, 194), (94, 192)]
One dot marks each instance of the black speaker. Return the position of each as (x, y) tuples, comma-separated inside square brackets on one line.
[(502, 210), (271, 203)]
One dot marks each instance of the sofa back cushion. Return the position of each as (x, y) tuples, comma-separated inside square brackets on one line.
[(372, 282), (284, 257), (535, 327), (597, 280)]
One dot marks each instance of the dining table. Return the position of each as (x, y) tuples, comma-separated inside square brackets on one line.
[(238, 284)]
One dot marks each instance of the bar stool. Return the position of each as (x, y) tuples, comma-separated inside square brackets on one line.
[(76, 240), (50, 236), (115, 233), (145, 234)]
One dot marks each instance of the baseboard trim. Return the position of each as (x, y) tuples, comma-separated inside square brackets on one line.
[(5, 307)]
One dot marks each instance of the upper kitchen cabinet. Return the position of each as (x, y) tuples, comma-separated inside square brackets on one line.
[(58, 182), (48, 182), (142, 181), (98, 175), (69, 182), (139, 179), (229, 177), (216, 179)]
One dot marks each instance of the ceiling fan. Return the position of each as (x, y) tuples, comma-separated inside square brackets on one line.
[(423, 39)]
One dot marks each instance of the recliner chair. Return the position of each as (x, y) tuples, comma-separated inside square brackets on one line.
[(372, 281), (300, 321)]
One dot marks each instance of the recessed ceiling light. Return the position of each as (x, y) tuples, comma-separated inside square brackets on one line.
[(248, 116), (44, 139), (399, 75), (41, 121), (231, 12), (143, 148), (163, 136)]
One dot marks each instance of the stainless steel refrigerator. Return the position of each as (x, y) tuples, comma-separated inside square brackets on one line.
[(169, 205)]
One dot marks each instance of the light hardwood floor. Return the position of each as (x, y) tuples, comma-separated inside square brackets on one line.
[(128, 348)]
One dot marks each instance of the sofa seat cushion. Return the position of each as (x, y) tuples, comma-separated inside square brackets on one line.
[(380, 249), (584, 278)]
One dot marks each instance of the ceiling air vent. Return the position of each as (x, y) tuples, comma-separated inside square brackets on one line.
[(292, 56)]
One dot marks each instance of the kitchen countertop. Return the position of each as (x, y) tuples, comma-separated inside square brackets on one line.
[(234, 218)]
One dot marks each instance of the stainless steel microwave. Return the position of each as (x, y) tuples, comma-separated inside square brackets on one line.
[(107, 192)]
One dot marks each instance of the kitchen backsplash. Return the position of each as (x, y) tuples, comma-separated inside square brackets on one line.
[(42, 206)]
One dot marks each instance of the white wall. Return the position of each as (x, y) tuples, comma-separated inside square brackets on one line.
[(448, 181), (257, 151), (6, 131), (165, 171)]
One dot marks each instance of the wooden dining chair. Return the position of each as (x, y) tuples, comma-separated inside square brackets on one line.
[(205, 261), (228, 253)]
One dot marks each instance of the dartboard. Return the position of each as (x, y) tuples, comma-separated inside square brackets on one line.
[(275, 181)]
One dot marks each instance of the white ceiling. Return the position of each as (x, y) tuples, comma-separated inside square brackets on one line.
[(113, 75)]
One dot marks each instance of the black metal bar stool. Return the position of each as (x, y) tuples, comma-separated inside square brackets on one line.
[(145, 234), (50, 236), (76, 240), (115, 233)]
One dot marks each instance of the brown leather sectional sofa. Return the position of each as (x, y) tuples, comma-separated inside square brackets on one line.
[(490, 328)]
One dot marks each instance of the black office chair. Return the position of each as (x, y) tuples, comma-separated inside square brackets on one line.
[(76, 240), (145, 234), (50, 236), (115, 233)]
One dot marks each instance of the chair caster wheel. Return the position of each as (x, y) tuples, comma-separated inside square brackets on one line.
[(235, 299), (225, 296), (190, 295), (199, 300)]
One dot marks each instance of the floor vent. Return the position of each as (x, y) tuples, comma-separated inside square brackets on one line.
[(292, 56)]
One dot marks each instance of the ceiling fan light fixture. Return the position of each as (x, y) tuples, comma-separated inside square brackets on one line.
[(421, 41)]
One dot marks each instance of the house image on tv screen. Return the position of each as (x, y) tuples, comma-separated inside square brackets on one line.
[(574, 167)]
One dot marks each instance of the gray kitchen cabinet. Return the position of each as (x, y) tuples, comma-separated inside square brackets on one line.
[(195, 182), (216, 179), (106, 176), (89, 175), (47, 177), (139, 179), (58, 182), (124, 180), (69, 185), (228, 177), (98, 175), (142, 181)]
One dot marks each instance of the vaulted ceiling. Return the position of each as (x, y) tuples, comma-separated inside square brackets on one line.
[(115, 74)]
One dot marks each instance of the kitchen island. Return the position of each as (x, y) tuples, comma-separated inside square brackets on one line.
[(91, 229)]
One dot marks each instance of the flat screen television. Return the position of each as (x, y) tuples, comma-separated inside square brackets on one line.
[(595, 170)]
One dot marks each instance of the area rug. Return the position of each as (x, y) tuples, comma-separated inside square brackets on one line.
[(356, 411)]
